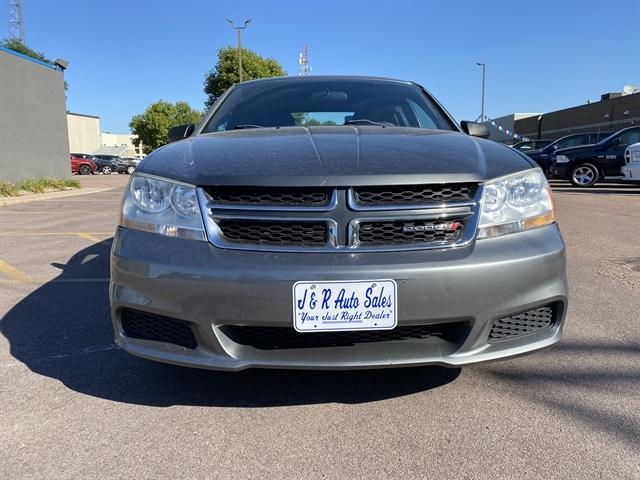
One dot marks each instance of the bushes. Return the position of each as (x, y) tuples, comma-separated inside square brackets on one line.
[(36, 185)]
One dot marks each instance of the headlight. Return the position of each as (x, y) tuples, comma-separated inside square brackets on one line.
[(561, 159), (162, 206), (635, 156), (516, 203)]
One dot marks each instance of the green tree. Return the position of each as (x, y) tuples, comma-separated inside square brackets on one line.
[(152, 126), (225, 73), (17, 46)]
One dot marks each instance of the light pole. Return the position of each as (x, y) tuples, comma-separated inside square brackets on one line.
[(484, 70), (238, 30)]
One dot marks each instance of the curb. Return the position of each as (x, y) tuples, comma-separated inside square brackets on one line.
[(35, 197)]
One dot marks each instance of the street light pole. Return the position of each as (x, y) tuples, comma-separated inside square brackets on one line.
[(484, 70), (237, 29)]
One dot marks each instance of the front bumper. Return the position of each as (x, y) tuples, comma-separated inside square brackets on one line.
[(210, 287), (559, 171), (631, 171)]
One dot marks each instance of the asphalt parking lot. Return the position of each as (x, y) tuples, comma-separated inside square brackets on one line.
[(75, 406)]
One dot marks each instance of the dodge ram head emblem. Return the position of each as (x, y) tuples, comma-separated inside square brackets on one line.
[(432, 227)]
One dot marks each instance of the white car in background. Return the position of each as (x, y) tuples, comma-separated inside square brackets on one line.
[(631, 169)]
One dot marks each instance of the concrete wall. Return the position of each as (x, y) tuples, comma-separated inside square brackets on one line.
[(33, 123), (84, 133)]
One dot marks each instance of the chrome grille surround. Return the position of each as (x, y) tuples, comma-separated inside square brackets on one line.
[(343, 219)]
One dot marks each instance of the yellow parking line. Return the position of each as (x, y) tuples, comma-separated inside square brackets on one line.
[(54, 280), (12, 272), (88, 236), (43, 234)]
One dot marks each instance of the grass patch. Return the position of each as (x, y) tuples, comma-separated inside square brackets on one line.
[(36, 185)]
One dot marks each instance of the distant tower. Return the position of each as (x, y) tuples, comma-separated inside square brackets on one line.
[(303, 61), (16, 26)]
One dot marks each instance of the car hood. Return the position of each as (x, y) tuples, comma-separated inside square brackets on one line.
[(335, 156)]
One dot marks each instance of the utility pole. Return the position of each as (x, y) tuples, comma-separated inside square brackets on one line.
[(16, 25), (238, 31), (484, 70)]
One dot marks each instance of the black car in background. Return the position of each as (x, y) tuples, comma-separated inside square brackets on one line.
[(528, 145), (544, 156), (108, 164), (584, 166)]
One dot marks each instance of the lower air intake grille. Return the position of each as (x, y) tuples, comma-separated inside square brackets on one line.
[(380, 233), (275, 232), (523, 323), (147, 326), (274, 338)]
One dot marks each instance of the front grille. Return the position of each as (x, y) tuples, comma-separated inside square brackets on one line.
[(389, 195), (409, 232), (147, 326), (523, 323), (340, 219), (285, 197), (274, 338), (282, 233)]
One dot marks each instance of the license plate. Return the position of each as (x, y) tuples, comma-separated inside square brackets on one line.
[(344, 305)]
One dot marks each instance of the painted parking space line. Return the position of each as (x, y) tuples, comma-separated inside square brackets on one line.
[(84, 351), (88, 236), (30, 280), (61, 234), (12, 272)]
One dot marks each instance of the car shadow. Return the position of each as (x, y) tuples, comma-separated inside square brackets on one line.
[(62, 330)]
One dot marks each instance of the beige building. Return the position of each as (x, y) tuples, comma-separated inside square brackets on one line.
[(122, 141), (84, 132), (85, 137)]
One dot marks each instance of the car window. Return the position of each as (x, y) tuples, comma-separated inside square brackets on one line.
[(630, 137), (573, 141), (312, 102), (314, 119)]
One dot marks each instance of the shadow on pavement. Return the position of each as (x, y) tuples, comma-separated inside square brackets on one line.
[(567, 386), (62, 330)]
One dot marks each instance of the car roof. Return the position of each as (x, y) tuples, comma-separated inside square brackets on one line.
[(316, 78)]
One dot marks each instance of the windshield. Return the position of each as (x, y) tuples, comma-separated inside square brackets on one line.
[(322, 102)]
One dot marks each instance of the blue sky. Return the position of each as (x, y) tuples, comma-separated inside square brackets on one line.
[(540, 55)]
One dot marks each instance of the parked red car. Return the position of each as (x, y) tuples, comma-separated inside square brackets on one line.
[(82, 165)]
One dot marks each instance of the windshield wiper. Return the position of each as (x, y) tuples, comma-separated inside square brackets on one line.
[(247, 125), (365, 121)]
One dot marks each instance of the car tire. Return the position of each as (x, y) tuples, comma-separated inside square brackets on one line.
[(84, 170), (131, 169), (584, 175), (106, 170)]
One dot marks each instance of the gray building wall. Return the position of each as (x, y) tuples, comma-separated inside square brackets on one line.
[(606, 115), (33, 123)]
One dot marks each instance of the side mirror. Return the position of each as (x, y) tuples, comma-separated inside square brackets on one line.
[(180, 131), (475, 129)]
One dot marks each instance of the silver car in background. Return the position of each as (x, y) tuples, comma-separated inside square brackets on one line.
[(331, 223)]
